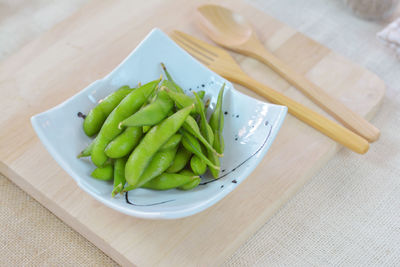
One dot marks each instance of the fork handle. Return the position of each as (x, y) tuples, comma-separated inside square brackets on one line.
[(334, 107), (328, 127)]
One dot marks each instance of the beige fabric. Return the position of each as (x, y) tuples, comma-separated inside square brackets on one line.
[(390, 36), (31, 235), (348, 214)]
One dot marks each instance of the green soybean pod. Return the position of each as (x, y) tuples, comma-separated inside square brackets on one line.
[(170, 86), (104, 173), (172, 142), (181, 100), (158, 164), (201, 94), (87, 151), (205, 128), (119, 175), (217, 123), (182, 157), (189, 186), (216, 161), (175, 85), (151, 143), (197, 165), (124, 143), (152, 113), (207, 131), (168, 181), (146, 128), (187, 172), (96, 117), (194, 183), (191, 144), (191, 126), (129, 105)]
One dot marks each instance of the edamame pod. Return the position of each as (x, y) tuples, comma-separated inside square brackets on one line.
[(124, 143), (217, 123), (201, 94), (215, 160), (187, 172), (191, 126), (87, 151), (158, 164), (174, 84), (119, 175), (146, 128), (152, 113), (168, 181), (189, 186), (169, 85), (207, 131), (96, 117), (172, 142), (191, 144), (180, 99), (182, 157), (205, 128), (151, 143), (129, 105), (197, 165), (104, 173)]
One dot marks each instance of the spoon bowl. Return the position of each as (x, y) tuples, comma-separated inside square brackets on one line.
[(223, 26)]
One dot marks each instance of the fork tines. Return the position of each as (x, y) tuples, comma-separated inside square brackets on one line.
[(201, 50)]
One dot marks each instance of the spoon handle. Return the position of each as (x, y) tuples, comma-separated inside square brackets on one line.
[(328, 127), (334, 107)]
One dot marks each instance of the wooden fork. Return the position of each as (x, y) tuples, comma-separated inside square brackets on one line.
[(221, 62)]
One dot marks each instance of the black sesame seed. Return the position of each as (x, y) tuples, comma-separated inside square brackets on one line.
[(226, 112), (234, 181), (81, 115)]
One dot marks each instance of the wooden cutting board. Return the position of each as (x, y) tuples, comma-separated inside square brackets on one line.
[(89, 45)]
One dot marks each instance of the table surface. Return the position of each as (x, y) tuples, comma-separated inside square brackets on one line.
[(347, 214)]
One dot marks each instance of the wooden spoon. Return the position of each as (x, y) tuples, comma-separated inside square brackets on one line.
[(234, 32)]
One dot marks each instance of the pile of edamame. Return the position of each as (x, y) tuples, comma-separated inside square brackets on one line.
[(155, 137)]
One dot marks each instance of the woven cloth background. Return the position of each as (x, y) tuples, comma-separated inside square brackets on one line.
[(348, 214)]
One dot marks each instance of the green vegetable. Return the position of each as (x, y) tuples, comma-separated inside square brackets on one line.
[(103, 173), (168, 181), (119, 175), (124, 143), (96, 117), (129, 105), (151, 143)]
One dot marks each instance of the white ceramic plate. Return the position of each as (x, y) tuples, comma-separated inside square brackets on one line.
[(250, 128)]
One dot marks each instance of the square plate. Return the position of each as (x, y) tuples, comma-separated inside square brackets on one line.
[(250, 128)]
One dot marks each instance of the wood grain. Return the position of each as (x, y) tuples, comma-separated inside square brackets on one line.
[(90, 44)]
